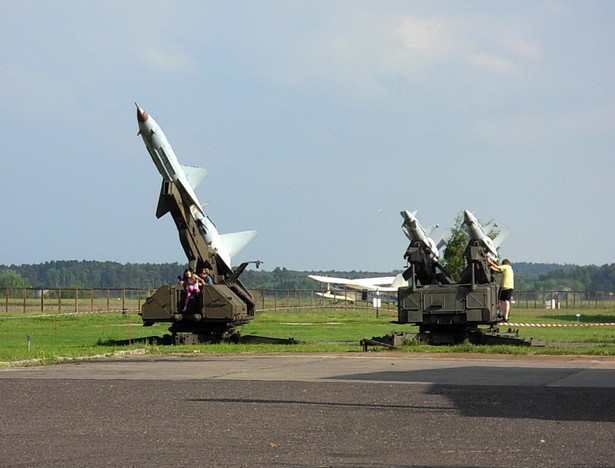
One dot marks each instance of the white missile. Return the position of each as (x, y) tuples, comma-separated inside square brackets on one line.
[(416, 233), (225, 245), (186, 179), (476, 232), (166, 162)]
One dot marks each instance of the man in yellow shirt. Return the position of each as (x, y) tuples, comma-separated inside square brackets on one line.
[(506, 286)]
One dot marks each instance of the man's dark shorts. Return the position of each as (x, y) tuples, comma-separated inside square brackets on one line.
[(506, 294)]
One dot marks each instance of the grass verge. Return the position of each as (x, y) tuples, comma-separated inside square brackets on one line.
[(41, 339)]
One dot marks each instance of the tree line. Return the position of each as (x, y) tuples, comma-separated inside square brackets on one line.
[(90, 274), (96, 274)]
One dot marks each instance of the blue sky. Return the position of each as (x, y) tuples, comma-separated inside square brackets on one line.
[(318, 121)]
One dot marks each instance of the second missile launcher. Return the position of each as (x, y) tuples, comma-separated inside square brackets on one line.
[(448, 311)]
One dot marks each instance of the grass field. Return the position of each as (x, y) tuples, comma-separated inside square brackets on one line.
[(46, 338)]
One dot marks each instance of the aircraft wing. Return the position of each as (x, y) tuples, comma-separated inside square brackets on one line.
[(384, 283), (333, 280), (337, 297)]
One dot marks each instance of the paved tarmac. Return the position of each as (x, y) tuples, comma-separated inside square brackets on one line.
[(303, 410)]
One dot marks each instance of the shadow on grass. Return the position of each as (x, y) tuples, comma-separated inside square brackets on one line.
[(147, 340)]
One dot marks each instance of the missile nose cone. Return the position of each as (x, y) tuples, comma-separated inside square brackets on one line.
[(141, 114)]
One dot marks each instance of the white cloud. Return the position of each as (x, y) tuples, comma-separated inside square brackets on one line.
[(492, 62), (372, 51), (426, 36), (168, 58), (499, 46), (525, 48), (548, 126)]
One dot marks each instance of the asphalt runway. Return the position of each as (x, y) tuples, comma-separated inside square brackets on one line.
[(305, 410)]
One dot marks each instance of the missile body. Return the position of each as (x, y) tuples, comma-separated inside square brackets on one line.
[(476, 233), (416, 233), (186, 179), (165, 159)]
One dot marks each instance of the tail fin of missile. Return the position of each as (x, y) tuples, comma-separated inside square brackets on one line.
[(194, 174), (501, 237), (163, 206), (236, 241), (431, 229)]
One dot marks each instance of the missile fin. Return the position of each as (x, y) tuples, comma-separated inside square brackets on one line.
[(194, 174), (501, 237), (431, 228), (236, 241), (162, 208)]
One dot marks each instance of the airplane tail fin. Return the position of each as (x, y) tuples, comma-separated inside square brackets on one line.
[(399, 281), (236, 241)]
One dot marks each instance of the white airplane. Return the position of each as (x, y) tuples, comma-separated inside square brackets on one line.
[(186, 179), (476, 232), (341, 295), (351, 289)]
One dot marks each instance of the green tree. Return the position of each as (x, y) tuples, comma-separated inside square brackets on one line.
[(11, 279), (452, 258)]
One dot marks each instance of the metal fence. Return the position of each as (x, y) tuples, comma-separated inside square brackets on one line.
[(564, 299), (287, 299), (71, 300), (96, 300)]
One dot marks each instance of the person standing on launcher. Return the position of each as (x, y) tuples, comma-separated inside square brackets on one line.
[(506, 286)]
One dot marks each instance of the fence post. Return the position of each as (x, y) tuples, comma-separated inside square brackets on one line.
[(91, 300), (59, 300), (24, 299), (108, 299), (42, 301), (76, 300)]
